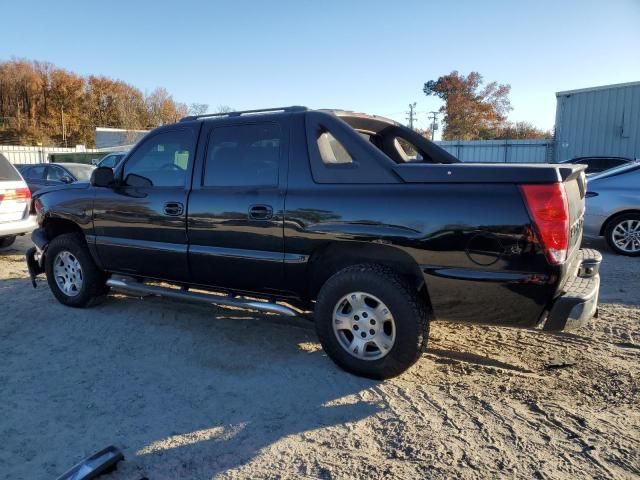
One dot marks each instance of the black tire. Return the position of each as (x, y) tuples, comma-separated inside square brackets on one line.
[(609, 229), (409, 308), (6, 242), (93, 279)]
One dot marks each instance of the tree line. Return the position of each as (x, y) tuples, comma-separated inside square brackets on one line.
[(43, 104), (474, 110)]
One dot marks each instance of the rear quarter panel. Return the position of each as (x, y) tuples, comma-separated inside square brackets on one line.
[(470, 241)]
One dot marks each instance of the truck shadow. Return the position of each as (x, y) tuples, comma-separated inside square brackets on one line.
[(187, 391), (453, 356), (266, 380)]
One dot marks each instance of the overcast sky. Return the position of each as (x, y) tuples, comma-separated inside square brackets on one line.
[(371, 56)]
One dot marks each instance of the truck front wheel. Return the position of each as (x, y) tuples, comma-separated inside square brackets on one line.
[(73, 276), (371, 321)]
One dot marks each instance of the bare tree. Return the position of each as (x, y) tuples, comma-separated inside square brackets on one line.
[(223, 109), (198, 108)]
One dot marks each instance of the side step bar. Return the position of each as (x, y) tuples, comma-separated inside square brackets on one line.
[(126, 285)]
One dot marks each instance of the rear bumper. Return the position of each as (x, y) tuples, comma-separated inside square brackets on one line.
[(579, 300), (19, 227)]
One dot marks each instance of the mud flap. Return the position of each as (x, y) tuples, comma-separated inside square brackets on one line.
[(35, 264)]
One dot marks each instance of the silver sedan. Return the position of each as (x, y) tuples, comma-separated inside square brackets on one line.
[(613, 208)]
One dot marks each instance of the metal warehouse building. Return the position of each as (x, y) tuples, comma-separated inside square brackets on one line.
[(598, 121)]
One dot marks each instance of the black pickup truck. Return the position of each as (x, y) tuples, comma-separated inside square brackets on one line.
[(365, 222)]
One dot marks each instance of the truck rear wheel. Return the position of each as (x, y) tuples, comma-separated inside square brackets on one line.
[(73, 276), (371, 322)]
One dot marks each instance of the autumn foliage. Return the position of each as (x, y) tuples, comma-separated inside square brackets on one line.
[(477, 111), (34, 95)]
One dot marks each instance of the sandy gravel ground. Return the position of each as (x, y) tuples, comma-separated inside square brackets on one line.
[(193, 392)]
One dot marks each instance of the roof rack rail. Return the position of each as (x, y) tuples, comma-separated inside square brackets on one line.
[(294, 108)]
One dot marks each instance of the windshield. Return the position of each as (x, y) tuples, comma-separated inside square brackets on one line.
[(7, 172), (81, 172)]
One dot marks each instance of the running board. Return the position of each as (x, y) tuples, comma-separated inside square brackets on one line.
[(131, 286)]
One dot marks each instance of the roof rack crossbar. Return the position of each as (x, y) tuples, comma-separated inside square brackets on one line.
[(294, 108)]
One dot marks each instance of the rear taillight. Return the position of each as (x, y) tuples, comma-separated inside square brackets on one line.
[(549, 211), (15, 194)]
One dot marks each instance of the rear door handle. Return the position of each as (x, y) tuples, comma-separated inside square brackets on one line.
[(173, 208), (260, 212)]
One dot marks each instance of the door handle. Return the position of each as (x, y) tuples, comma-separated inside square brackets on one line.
[(173, 208), (260, 212)]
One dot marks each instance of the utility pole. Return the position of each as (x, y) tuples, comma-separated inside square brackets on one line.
[(64, 130), (411, 114), (434, 125)]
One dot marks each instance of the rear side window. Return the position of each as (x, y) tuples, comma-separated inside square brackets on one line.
[(407, 150), (243, 155), (36, 173), (331, 150), (7, 171)]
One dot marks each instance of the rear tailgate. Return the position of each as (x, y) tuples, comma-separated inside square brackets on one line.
[(576, 187)]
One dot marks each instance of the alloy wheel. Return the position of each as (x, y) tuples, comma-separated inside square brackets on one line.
[(364, 326), (68, 273)]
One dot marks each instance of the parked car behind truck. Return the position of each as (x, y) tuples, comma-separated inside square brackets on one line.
[(325, 211), (613, 208), (15, 197), (43, 175)]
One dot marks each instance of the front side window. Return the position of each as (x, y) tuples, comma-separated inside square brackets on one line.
[(55, 174), (161, 161), (243, 155)]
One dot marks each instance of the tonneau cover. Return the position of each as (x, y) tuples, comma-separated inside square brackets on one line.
[(487, 172)]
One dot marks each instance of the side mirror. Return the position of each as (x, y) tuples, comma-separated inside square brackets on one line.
[(66, 179), (102, 177)]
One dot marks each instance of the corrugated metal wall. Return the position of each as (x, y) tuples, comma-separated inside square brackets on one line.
[(598, 121), (500, 151), (28, 155)]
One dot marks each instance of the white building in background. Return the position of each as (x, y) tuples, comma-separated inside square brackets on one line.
[(114, 139)]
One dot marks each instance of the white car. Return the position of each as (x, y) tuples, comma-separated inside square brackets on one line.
[(15, 199)]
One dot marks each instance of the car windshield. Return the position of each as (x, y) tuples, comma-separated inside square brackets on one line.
[(81, 172)]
